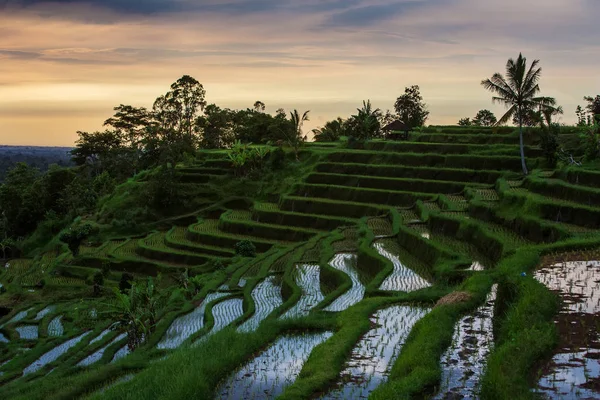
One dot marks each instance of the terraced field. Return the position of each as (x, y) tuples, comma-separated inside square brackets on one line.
[(397, 270)]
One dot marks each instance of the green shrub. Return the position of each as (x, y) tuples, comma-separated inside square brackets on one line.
[(125, 282), (245, 248)]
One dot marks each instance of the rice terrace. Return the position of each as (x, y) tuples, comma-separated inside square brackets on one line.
[(200, 252)]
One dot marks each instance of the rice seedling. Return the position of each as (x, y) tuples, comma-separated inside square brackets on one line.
[(55, 327), (54, 354), (308, 280), (402, 278), (185, 326), (224, 313), (465, 360), (345, 263), (267, 297), (375, 353), (269, 373), (574, 369)]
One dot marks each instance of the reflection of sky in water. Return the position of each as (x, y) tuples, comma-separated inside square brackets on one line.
[(376, 352), (27, 332), (100, 336), (267, 297), (224, 313), (344, 262), (308, 280), (55, 327), (580, 279), (54, 354), (464, 361), (18, 317), (44, 312), (402, 278), (578, 283), (268, 374), (95, 357), (185, 326)]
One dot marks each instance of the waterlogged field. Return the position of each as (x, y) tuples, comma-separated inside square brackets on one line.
[(402, 278), (346, 263), (185, 326), (96, 356), (267, 297), (574, 371), (54, 354), (224, 313), (464, 361), (269, 373), (375, 353), (308, 280), (55, 327)]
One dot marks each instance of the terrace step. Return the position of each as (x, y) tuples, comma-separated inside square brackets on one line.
[(208, 232), (176, 238), (414, 172), (581, 177), (154, 247), (361, 195), (409, 216), (380, 226), (220, 163), (488, 194), (324, 206), (385, 183), (565, 191), (481, 138), (459, 161), (451, 148), (128, 252), (240, 222), (511, 238), (196, 178), (203, 170), (271, 214)]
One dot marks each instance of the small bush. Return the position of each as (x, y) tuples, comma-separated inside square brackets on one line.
[(245, 248), (550, 145)]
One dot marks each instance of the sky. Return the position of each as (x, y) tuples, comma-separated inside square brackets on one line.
[(65, 64)]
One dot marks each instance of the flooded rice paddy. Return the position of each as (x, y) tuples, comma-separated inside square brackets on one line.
[(54, 354), (42, 313), (96, 356), (464, 362), (345, 263), (185, 326), (55, 327), (269, 373), (375, 353), (308, 280), (27, 332), (100, 336), (574, 371), (121, 353), (224, 313), (267, 297), (402, 278)]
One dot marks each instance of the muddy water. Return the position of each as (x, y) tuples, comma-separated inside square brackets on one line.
[(464, 362), (345, 263), (402, 278), (309, 282), (185, 326), (268, 374), (95, 357), (54, 354), (224, 313), (375, 353), (267, 297), (574, 371)]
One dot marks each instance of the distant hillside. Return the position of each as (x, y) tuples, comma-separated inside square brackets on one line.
[(38, 156)]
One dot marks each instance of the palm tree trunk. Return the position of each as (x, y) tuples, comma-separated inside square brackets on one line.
[(522, 148)]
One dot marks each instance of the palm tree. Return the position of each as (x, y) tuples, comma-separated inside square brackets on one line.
[(295, 138), (366, 122), (517, 92), (330, 132)]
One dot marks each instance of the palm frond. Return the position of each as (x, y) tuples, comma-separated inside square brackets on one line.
[(507, 116)]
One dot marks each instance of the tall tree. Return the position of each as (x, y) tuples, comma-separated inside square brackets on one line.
[(296, 139), (365, 124), (593, 107), (330, 132), (484, 118), (410, 107), (465, 122), (259, 106), (518, 93)]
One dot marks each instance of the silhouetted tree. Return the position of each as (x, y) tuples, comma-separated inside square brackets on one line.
[(410, 107), (484, 118), (518, 93)]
